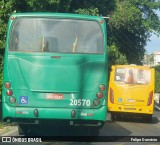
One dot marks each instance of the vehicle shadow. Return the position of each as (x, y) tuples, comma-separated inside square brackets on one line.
[(134, 119), (112, 128), (110, 132)]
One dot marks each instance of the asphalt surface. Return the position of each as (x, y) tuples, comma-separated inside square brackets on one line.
[(120, 132)]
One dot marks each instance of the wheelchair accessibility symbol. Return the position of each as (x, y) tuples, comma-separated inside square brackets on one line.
[(23, 99)]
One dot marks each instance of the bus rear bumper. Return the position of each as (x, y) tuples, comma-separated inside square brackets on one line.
[(75, 117), (131, 109)]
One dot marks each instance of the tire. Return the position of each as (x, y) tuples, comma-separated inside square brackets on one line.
[(113, 116), (116, 116)]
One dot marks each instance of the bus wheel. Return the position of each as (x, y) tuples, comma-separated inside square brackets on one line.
[(24, 129), (113, 116)]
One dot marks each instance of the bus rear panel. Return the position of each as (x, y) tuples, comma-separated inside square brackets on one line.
[(55, 69), (131, 91)]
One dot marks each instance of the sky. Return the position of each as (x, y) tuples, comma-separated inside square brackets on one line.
[(154, 43)]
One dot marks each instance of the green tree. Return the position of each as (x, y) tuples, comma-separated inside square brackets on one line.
[(150, 59), (98, 7), (157, 79), (115, 57), (130, 26), (1, 74)]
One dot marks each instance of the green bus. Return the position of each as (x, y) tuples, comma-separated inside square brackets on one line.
[(55, 71)]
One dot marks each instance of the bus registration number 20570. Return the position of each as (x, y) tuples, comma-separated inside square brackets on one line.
[(80, 102)]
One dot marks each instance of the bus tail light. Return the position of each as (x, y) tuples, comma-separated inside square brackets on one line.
[(96, 102), (12, 100), (102, 87), (9, 92), (7, 85), (111, 95), (150, 98), (99, 95), (12, 18)]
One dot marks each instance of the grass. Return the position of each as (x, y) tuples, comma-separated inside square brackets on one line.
[(2, 125)]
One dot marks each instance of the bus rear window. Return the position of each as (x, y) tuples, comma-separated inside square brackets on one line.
[(56, 35), (132, 76)]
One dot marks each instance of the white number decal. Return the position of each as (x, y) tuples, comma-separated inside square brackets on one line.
[(83, 100), (75, 102), (79, 102), (71, 104), (88, 103)]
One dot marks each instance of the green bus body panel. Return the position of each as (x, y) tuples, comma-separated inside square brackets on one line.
[(35, 75), (56, 113), (74, 77), (46, 74)]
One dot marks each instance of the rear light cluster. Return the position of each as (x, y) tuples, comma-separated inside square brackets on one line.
[(9, 92), (111, 96), (150, 98), (100, 95)]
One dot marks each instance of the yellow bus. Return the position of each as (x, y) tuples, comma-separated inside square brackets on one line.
[(131, 91)]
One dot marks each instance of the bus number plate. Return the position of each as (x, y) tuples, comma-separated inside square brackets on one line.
[(80, 102), (55, 96)]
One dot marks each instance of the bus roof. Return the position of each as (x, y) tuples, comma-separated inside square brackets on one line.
[(62, 15)]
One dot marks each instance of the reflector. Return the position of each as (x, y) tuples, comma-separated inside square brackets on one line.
[(150, 98), (12, 18), (111, 95)]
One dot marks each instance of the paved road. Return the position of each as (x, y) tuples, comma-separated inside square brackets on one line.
[(113, 129)]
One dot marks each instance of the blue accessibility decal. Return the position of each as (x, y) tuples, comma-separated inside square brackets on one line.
[(23, 100)]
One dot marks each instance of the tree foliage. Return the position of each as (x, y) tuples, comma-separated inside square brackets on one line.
[(1, 74), (157, 79), (115, 57), (129, 27), (130, 23)]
